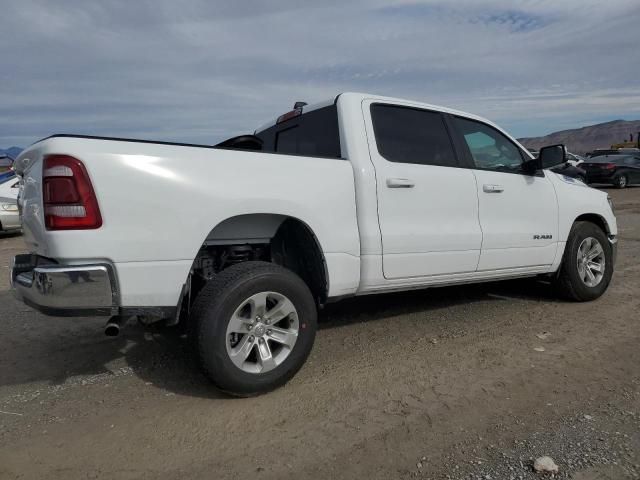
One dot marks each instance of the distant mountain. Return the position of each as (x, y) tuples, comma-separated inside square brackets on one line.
[(13, 152), (585, 139)]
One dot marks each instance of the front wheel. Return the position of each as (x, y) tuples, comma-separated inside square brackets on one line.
[(254, 324), (587, 265)]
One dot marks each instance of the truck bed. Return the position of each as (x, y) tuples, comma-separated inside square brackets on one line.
[(160, 201)]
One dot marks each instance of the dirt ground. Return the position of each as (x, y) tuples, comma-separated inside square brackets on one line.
[(440, 384)]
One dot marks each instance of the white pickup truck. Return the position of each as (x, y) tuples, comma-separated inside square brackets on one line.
[(244, 240)]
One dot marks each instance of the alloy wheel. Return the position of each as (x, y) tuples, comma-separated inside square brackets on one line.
[(591, 262), (262, 332)]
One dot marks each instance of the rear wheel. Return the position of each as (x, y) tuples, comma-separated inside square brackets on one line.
[(621, 181), (255, 324), (587, 265)]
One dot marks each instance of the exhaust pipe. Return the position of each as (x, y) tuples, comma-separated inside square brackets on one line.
[(113, 326)]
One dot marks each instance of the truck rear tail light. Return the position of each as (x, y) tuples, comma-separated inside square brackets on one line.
[(68, 197)]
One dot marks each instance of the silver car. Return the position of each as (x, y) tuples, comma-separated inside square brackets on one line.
[(9, 217)]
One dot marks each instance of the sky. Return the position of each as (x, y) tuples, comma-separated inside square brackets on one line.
[(201, 71)]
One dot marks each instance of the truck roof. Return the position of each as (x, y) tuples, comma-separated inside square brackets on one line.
[(359, 97)]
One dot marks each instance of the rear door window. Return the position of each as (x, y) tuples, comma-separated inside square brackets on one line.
[(411, 135)]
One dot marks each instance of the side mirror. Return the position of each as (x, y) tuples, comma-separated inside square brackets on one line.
[(552, 155)]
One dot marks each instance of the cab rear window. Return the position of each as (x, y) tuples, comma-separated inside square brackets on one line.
[(313, 134)]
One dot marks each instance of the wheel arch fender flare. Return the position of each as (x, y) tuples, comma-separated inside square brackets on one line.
[(594, 218), (257, 227)]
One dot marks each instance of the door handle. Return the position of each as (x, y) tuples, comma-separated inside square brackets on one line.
[(400, 183), (486, 188)]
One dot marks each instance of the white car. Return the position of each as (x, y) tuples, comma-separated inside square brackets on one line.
[(574, 159), (9, 218), (358, 195)]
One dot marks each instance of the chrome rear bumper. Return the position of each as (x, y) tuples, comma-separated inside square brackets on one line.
[(64, 290)]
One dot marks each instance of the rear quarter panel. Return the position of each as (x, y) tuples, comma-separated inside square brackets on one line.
[(159, 202)]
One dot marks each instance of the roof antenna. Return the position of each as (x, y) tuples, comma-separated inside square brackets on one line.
[(298, 105)]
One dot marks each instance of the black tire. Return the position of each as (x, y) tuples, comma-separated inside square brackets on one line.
[(214, 307), (568, 283), (621, 181)]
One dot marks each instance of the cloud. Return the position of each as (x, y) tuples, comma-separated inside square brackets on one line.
[(516, 21), (200, 71), (487, 14)]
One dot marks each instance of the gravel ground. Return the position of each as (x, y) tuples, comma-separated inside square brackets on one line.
[(439, 384)]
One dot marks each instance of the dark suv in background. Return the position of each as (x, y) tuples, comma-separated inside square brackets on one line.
[(617, 170)]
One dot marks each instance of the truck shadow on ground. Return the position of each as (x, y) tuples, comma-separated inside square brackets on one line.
[(378, 307), (74, 351)]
